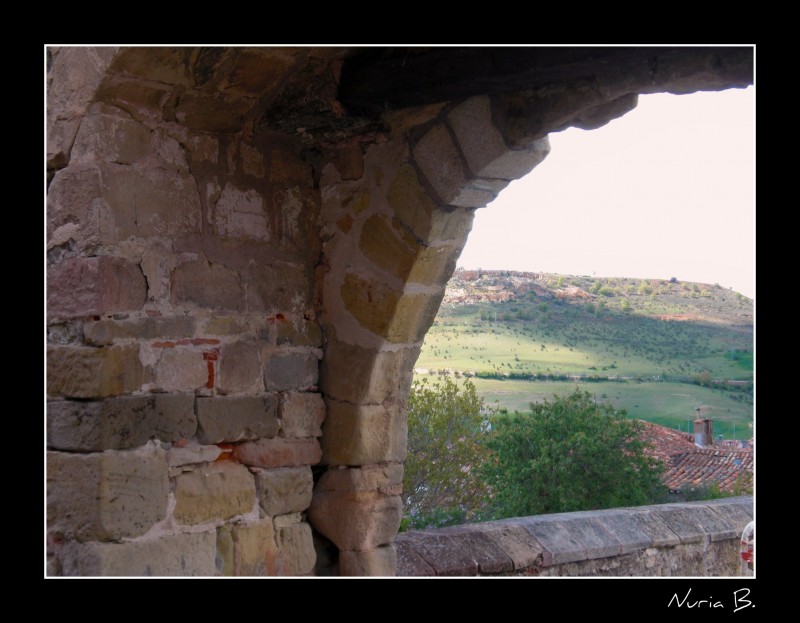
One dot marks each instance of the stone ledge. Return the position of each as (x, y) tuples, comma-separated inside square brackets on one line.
[(533, 544)]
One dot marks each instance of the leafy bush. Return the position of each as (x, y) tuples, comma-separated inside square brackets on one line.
[(445, 447), (567, 455)]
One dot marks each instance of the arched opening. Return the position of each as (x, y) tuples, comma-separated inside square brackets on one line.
[(657, 378)]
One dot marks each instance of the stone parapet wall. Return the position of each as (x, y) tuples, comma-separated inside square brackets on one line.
[(688, 539)]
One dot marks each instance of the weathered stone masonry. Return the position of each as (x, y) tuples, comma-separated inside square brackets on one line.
[(240, 276)]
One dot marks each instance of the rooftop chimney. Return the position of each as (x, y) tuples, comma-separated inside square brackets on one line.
[(703, 433)]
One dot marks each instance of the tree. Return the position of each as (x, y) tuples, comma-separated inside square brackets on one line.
[(446, 425), (567, 455)]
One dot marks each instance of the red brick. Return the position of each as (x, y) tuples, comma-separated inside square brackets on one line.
[(278, 452)]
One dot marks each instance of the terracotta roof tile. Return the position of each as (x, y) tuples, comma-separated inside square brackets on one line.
[(690, 466)]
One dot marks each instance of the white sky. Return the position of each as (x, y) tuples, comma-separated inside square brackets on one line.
[(667, 190)]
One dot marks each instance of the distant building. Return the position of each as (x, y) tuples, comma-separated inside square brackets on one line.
[(695, 460)]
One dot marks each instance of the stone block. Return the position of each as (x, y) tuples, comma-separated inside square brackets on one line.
[(718, 526), (567, 538), (365, 375), (286, 168), (304, 333), (148, 202), (119, 423), (389, 245), (225, 325), (180, 369), (211, 286), (278, 452), (438, 158), (168, 555), (655, 528), (255, 552), (137, 99), (212, 492), (240, 367), (289, 519), (191, 454), (160, 64), (252, 160), (374, 562), (428, 221), (387, 478), (680, 522), (625, 529), (111, 138), (598, 116), (235, 418), (279, 287), (75, 206), (75, 372), (388, 312), (356, 521), (225, 551), (212, 113), (482, 144), (296, 554), (409, 562), (94, 286), (465, 552), (287, 370), (364, 434), (297, 220), (241, 214), (108, 495), (284, 490), (105, 332), (73, 79), (301, 414), (371, 302), (515, 542), (358, 509), (435, 265)]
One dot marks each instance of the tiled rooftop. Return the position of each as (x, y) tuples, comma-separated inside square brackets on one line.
[(666, 442), (690, 466), (703, 466)]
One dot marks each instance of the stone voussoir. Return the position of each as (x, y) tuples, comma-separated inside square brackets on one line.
[(364, 434)]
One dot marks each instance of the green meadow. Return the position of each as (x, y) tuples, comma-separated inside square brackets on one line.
[(660, 350)]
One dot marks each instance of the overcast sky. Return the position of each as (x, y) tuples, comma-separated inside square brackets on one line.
[(668, 190)]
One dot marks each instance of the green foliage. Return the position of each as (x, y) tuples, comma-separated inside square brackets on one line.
[(567, 455), (441, 485), (704, 492)]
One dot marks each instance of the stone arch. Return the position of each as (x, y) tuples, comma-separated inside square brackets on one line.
[(235, 256)]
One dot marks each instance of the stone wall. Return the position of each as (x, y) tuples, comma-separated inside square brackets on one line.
[(183, 412), (689, 539), (240, 274)]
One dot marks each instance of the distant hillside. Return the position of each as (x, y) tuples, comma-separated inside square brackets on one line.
[(514, 326)]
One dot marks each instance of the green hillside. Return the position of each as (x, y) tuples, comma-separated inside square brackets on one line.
[(660, 349)]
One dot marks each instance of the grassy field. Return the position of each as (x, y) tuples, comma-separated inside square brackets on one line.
[(675, 344), (668, 404)]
